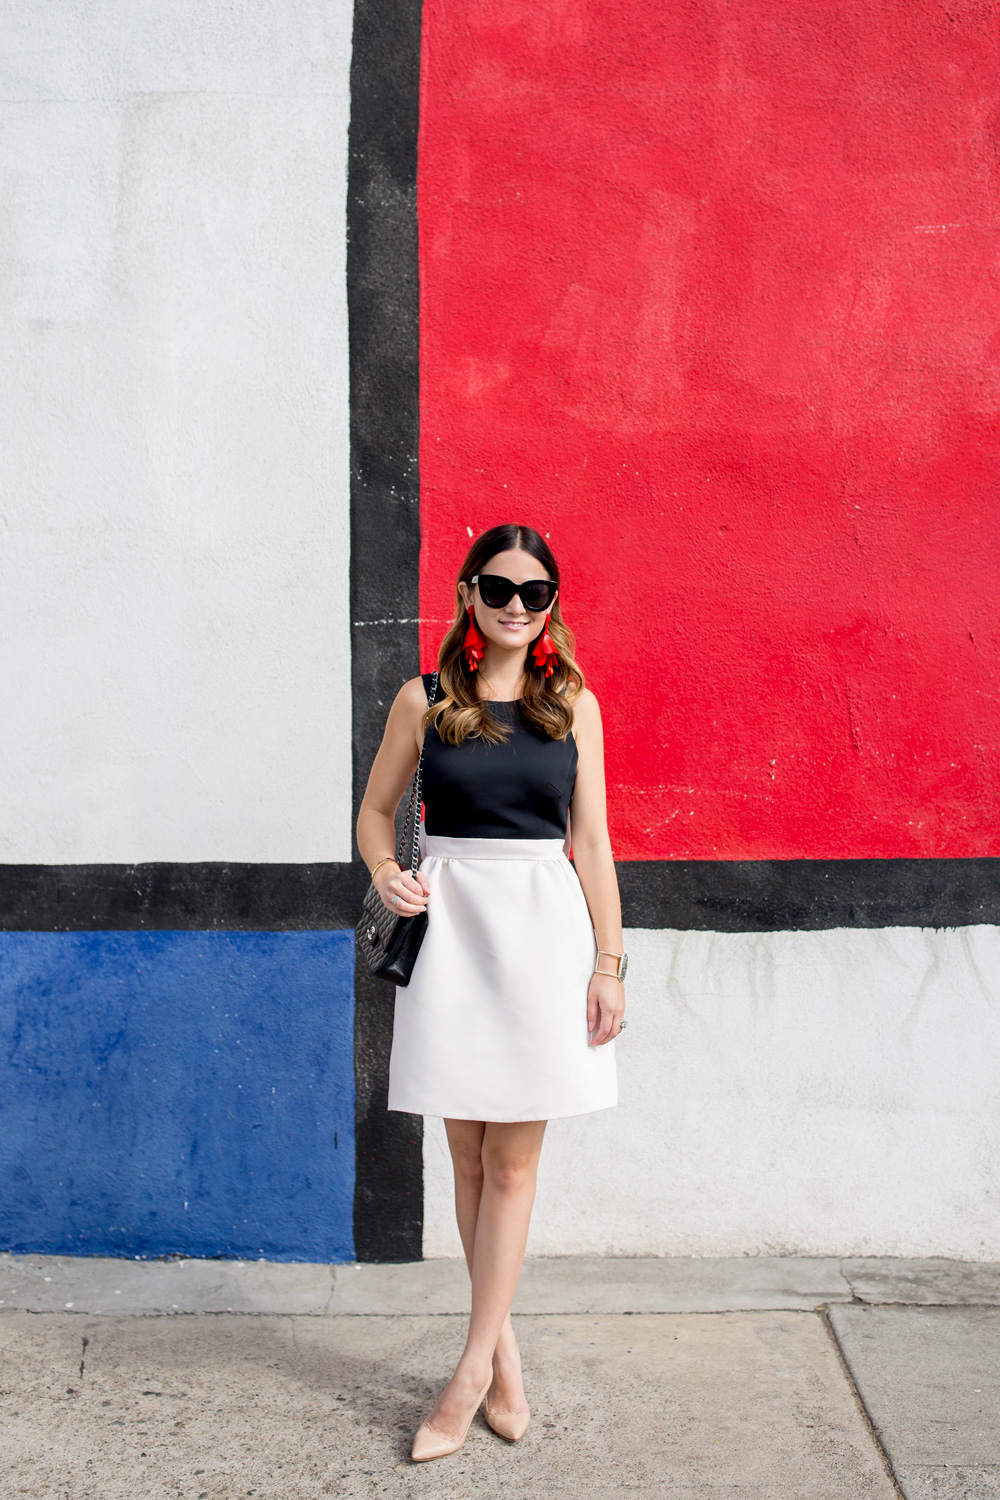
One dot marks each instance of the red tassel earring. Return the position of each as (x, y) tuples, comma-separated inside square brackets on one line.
[(545, 653), (474, 646)]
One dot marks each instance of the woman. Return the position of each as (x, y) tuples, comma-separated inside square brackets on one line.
[(518, 987)]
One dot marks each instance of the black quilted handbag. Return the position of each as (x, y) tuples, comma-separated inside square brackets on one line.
[(390, 941)]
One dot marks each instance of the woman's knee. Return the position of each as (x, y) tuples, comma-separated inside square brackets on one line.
[(470, 1170), (509, 1171), (467, 1159)]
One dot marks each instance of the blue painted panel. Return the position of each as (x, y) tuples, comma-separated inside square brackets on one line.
[(177, 1092)]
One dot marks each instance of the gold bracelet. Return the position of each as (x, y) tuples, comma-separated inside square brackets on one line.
[(384, 860), (621, 967)]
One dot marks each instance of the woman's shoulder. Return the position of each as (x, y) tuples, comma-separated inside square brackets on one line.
[(410, 704), (586, 717), (585, 703), (413, 694)]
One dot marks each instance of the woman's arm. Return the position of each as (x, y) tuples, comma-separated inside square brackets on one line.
[(595, 866), (390, 775)]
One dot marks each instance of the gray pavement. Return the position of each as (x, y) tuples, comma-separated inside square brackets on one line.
[(750, 1379), (930, 1377), (570, 1284)]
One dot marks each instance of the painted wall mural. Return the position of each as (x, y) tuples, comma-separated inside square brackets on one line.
[(169, 1091), (176, 981), (709, 296)]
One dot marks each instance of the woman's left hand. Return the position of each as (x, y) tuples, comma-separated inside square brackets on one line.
[(605, 1008)]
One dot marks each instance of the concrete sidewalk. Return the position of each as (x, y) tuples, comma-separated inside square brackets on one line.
[(755, 1379)]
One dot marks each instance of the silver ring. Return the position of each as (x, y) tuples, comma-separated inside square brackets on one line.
[(394, 900), (622, 1025)]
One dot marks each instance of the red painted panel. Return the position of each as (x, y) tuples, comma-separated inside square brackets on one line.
[(711, 294)]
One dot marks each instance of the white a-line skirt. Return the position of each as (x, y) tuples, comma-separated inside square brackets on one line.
[(493, 1023)]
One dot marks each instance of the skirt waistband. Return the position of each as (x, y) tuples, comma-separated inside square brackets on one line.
[(438, 846)]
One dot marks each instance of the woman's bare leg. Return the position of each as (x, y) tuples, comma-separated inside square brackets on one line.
[(465, 1139), (509, 1155)]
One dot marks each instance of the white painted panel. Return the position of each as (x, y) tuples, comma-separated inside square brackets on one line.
[(174, 383), (783, 1093)]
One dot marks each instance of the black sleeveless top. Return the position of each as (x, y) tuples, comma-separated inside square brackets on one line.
[(518, 790)]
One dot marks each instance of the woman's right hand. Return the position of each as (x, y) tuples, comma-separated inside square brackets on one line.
[(391, 881)]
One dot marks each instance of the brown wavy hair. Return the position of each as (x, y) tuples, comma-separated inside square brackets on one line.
[(547, 701)]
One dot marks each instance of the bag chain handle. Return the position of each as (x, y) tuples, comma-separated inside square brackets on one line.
[(418, 779)]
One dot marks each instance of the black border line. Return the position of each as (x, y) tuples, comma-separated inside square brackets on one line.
[(384, 319), (803, 895), (214, 896), (778, 895)]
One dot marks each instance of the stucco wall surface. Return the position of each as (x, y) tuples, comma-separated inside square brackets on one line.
[(177, 1093), (173, 379), (710, 294), (783, 1093)]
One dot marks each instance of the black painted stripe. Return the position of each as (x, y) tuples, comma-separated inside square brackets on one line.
[(779, 895), (383, 311), (784, 895), (161, 896)]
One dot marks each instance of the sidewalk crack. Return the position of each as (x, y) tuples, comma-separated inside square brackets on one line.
[(866, 1415), (858, 1301)]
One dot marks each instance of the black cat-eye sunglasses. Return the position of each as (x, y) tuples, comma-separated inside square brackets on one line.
[(496, 591)]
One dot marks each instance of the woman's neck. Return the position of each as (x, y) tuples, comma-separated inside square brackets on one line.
[(504, 689)]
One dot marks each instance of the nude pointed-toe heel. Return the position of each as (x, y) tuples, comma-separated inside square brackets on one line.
[(429, 1444), (511, 1425)]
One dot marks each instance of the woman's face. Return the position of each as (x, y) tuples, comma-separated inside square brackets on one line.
[(513, 625)]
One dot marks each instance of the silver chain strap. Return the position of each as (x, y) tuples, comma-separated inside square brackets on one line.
[(418, 781)]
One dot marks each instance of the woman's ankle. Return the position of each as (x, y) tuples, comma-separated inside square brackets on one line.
[(507, 1385), (473, 1370), (506, 1345)]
